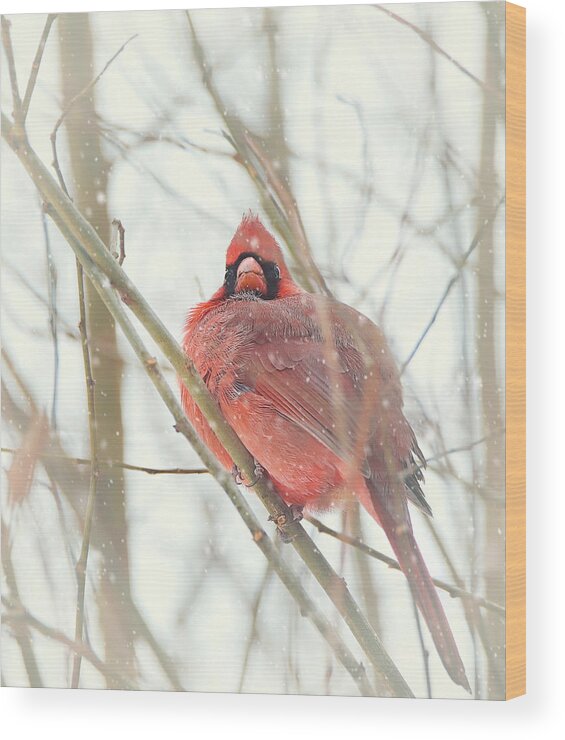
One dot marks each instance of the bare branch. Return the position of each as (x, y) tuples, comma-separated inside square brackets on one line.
[(36, 65), (117, 464), (164, 660), (87, 244), (22, 635), (82, 562), (275, 194), (449, 286), (410, 470), (292, 215), (7, 42), (435, 46), (53, 316), (424, 650), (17, 615), (182, 425), (252, 636), (69, 106), (473, 614), (454, 591)]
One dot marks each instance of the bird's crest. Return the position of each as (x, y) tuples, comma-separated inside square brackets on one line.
[(252, 237)]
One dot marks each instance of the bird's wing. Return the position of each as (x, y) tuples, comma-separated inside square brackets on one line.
[(340, 384), (302, 385)]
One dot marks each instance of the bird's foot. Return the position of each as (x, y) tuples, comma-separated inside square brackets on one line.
[(240, 478), (296, 511), (282, 521), (236, 475), (259, 472)]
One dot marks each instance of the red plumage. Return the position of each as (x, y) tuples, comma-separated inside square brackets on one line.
[(311, 388)]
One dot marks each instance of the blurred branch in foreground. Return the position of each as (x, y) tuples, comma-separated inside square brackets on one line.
[(22, 635), (106, 502)]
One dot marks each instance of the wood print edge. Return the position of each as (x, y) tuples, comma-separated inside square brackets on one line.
[(515, 351)]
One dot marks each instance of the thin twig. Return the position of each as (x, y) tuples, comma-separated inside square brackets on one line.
[(82, 562), (144, 629), (292, 214), (53, 319), (16, 99), (411, 469), (67, 327), (423, 648), (17, 614), (435, 46), (8, 362), (275, 194), (117, 464), (463, 448), (22, 635), (454, 591), (36, 64), (252, 636), (449, 286), (69, 106), (164, 660), (473, 615), (204, 471)]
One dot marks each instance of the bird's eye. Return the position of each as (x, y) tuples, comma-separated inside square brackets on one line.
[(276, 272)]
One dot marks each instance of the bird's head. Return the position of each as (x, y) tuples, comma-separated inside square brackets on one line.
[(255, 265)]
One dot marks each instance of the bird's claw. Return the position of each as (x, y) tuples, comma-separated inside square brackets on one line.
[(259, 471), (236, 475), (240, 479), (296, 511)]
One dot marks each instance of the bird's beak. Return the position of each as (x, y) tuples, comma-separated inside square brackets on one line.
[(250, 277)]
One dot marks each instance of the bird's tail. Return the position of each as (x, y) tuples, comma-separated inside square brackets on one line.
[(398, 529)]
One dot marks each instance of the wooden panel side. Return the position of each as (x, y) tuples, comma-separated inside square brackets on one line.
[(515, 351)]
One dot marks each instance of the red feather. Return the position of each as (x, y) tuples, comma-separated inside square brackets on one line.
[(310, 387)]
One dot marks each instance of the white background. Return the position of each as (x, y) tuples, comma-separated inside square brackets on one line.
[(51, 713)]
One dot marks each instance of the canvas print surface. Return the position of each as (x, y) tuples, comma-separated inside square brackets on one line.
[(253, 350)]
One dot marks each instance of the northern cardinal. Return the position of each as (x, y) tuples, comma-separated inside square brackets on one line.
[(310, 387)]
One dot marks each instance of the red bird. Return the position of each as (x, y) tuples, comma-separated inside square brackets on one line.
[(310, 387)]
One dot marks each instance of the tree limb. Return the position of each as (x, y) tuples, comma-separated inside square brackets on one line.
[(86, 243)]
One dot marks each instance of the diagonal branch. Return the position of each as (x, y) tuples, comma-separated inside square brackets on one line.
[(453, 591), (18, 615), (86, 243), (7, 42), (182, 425), (434, 45), (36, 65), (22, 636)]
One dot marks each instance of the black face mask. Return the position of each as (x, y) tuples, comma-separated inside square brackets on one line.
[(271, 273)]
